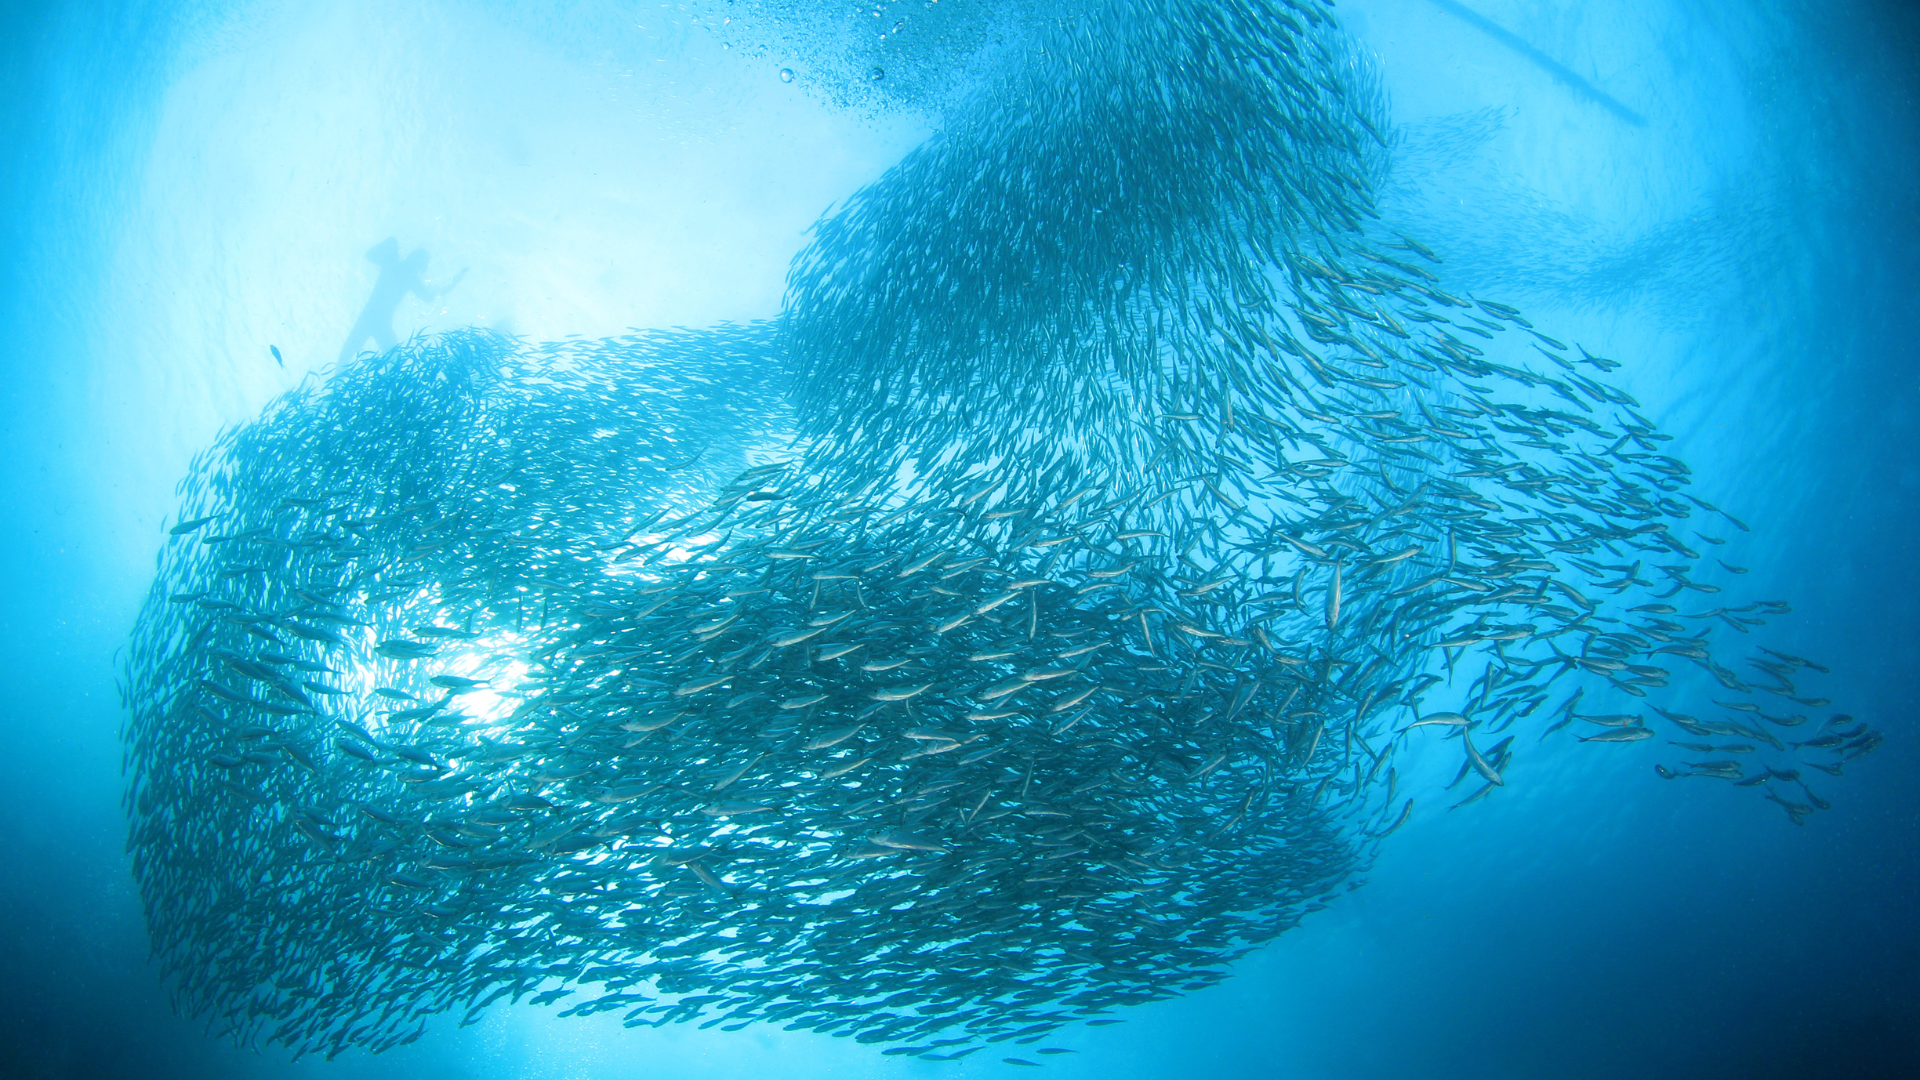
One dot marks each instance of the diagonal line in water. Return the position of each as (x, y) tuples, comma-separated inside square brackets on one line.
[(1561, 73)]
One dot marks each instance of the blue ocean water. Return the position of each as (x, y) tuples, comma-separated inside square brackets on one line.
[(1717, 194)]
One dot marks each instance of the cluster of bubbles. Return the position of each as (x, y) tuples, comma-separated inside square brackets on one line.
[(890, 55)]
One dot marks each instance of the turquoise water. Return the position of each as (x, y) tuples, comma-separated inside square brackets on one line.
[(186, 186)]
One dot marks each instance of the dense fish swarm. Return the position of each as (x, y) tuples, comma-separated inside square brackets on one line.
[(1028, 624)]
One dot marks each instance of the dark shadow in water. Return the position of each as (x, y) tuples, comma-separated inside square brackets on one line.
[(1562, 74), (398, 277)]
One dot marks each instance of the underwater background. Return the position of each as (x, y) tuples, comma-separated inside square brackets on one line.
[(1718, 194)]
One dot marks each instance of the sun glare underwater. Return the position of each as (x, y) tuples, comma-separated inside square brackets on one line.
[(1123, 537)]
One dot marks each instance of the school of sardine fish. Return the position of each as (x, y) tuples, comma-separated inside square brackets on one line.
[(1037, 617)]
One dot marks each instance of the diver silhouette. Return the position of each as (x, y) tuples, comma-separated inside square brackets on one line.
[(398, 277)]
